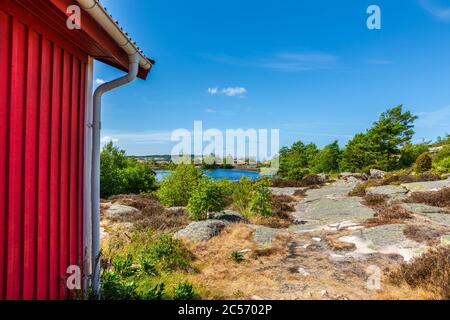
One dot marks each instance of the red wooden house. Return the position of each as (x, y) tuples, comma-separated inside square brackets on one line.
[(48, 133)]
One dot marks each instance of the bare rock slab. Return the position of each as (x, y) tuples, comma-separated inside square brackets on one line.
[(390, 191), (326, 214), (427, 186), (121, 212), (385, 239), (265, 235), (202, 230), (435, 214), (284, 191)]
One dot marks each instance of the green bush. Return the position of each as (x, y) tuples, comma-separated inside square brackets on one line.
[(112, 287), (242, 193), (122, 175), (123, 267), (176, 188), (442, 154), (184, 291), (156, 293), (294, 161), (205, 198), (379, 147), (168, 253), (261, 201), (327, 160), (409, 154), (423, 163), (149, 266), (252, 197), (442, 166), (237, 256)]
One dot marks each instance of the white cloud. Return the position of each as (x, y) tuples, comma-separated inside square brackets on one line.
[(213, 91), (99, 81), (297, 62), (108, 139), (438, 11), (138, 137), (284, 61), (235, 91), (209, 110), (230, 91)]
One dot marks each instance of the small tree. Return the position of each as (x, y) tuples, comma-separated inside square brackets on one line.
[(423, 163), (122, 175), (207, 197), (327, 160), (176, 188), (261, 201)]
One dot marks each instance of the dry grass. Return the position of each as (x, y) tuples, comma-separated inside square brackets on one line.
[(300, 193), (282, 206), (309, 181), (153, 214), (337, 245), (374, 200), (433, 198), (426, 234), (222, 275), (388, 215), (430, 272), (394, 179)]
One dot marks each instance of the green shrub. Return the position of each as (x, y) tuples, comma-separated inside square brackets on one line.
[(379, 147), (112, 287), (184, 291), (261, 201), (442, 154), (423, 163), (156, 293), (121, 175), (443, 166), (168, 253), (242, 193), (176, 188), (327, 160), (149, 266), (409, 154), (123, 267), (205, 198), (237, 256), (252, 197)]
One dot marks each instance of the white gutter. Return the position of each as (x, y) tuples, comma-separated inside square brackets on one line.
[(87, 181), (95, 178), (98, 12), (92, 148)]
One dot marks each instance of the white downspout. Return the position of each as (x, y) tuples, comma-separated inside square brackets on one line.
[(132, 74)]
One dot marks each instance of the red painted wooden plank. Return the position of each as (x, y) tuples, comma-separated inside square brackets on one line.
[(65, 173), (81, 124), (5, 64), (55, 190), (31, 159), (43, 250), (74, 195), (16, 155)]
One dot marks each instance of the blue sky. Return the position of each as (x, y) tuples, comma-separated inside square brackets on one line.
[(309, 68)]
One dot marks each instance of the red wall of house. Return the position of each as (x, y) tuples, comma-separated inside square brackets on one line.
[(42, 84)]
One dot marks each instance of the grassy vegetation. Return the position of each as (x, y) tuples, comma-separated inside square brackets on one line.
[(439, 198), (394, 178), (387, 214), (430, 271), (146, 266)]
